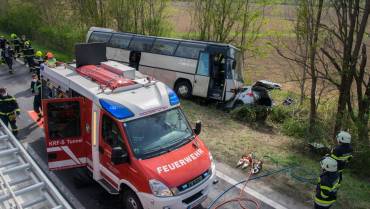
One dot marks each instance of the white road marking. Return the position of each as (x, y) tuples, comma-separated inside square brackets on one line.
[(250, 191)]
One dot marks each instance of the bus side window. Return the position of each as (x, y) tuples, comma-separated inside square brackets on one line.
[(99, 37), (189, 50), (141, 44), (165, 47), (64, 120), (120, 41), (111, 133)]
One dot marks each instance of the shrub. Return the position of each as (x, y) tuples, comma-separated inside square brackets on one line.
[(280, 113), (250, 114), (295, 127)]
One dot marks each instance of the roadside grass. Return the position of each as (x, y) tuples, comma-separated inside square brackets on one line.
[(229, 139)]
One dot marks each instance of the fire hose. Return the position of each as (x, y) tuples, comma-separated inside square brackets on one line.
[(291, 170)]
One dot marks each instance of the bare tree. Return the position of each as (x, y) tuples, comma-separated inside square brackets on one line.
[(345, 52)]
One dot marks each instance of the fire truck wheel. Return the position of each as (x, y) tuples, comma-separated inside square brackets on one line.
[(131, 201), (183, 89)]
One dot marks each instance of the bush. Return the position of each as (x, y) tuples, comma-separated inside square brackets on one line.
[(250, 114), (280, 113), (295, 127)]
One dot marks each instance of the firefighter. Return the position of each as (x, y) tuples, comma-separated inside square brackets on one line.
[(38, 60), (36, 90), (2, 47), (28, 53), (8, 55), (9, 110), (328, 184), (16, 44), (50, 59), (342, 153)]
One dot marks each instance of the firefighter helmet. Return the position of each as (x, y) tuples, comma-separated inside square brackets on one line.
[(38, 54), (49, 55), (13, 36), (344, 137), (329, 164)]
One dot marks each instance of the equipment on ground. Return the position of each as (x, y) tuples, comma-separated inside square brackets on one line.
[(22, 182)]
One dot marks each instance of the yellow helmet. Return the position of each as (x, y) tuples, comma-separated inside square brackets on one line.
[(13, 36), (38, 54), (27, 43)]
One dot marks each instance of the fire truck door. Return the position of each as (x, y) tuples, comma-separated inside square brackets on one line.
[(63, 122), (110, 140)]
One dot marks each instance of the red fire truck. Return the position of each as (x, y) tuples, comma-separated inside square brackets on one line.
[(127, 129)]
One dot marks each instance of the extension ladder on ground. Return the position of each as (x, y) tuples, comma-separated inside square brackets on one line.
[(22, 183)]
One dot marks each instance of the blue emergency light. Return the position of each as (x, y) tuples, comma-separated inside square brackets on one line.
[(117, 110), (174, 100)]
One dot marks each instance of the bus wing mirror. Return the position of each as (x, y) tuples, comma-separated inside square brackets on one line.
[(119, 156), (198, 127)]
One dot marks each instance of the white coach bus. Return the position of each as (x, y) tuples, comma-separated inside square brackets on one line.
[(204, 69)]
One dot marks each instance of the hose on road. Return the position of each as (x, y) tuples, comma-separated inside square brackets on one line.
[(293, 171)]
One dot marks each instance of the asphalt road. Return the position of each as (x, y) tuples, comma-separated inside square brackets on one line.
[(90, 195)]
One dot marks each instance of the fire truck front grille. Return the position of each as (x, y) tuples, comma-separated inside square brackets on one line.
[(194, 181)]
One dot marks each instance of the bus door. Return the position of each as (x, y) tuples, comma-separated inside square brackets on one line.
[(64, 126), (202, 76), (217, 72)]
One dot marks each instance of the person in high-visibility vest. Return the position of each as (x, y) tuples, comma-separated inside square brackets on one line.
[(328, 184), (9, 110), (50, 60), (36, 90), (342, 153)]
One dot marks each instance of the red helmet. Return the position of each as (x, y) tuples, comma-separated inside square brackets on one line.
[(49, 55)]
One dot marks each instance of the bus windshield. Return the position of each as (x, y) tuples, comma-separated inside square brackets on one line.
[(159, 133)]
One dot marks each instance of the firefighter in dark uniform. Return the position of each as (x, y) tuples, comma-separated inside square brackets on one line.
[(28, 53), (36, 90), (8, 55), (2, 48), (16, 44), (328, 184), (9, 110), (342, 153), (38, 60)]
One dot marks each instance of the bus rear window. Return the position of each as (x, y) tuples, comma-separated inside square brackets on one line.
[(141, 44), (64, 120), (120, 41), (189, 50), (165, 47), (99, 37)]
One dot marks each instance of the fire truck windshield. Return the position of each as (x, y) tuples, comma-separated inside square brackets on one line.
[(159, 133)]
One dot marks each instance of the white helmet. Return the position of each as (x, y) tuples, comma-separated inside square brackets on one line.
[(329, 164), (344, 137)]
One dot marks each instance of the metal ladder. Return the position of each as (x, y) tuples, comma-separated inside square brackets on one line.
[(22, 183)]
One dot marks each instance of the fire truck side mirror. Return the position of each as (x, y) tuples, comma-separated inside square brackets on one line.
[(119, 156), (198, 127)]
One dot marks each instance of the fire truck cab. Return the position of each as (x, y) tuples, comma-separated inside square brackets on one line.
[(127, 129)]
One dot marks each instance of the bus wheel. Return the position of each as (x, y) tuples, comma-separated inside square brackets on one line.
[(130, 200), (183, 89)]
